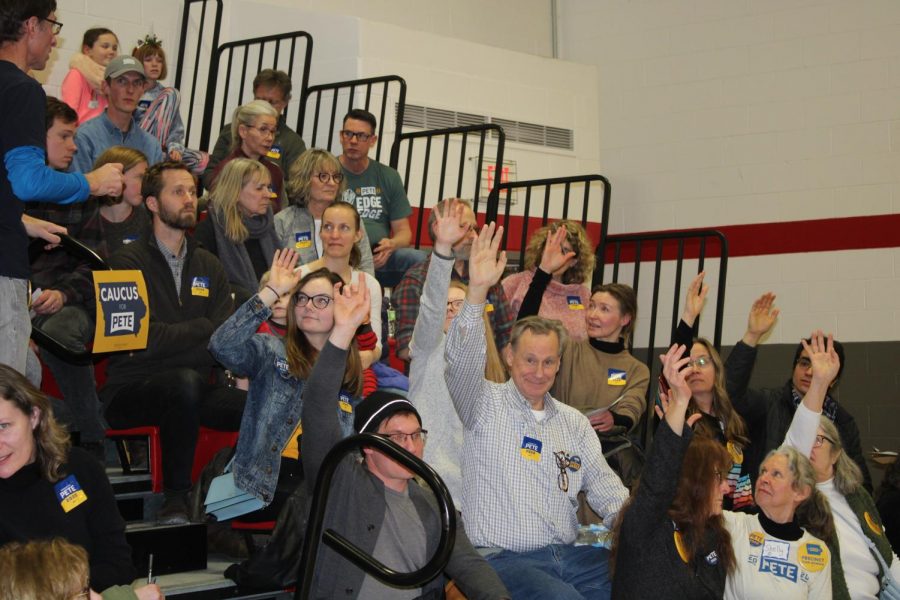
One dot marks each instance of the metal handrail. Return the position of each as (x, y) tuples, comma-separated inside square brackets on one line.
[(353, 553), (230, 48), (480, 131), (182, 47), (351, 86), (493, 203)]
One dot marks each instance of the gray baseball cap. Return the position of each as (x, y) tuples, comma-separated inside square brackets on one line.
[(123, 64)]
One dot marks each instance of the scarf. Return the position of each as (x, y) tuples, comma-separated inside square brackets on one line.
[(829, 408), (92, 71), (234, 256)]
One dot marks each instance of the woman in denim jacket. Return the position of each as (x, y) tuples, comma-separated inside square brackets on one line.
[(266, 462)]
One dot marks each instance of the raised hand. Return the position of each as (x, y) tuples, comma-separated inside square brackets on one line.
[(675, 403), (825, 361), (351, 304), (695, 299), (448, 225), (553, 258), (485, 265), (763, 315), (282, 275)]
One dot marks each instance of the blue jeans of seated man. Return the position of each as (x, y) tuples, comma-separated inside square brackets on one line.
[(15, 325), (400, 260), (74, 328), (558, 571)]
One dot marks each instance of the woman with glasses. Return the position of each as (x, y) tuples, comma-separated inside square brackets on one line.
[(441, 301), (240, 229), (315, 181), (266, 461), (253, 130)]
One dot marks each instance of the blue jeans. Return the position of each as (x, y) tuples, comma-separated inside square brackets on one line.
[(561, 572), (400, 260)]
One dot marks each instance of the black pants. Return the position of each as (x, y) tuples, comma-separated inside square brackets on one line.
[(178, 401)]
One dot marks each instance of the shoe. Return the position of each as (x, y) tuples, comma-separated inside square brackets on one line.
[(173, 512)]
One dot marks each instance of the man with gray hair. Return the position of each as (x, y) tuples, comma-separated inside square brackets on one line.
[(527, 456), (407, 294)]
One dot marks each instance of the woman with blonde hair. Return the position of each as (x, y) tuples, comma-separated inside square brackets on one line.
[(44, 570), (564, 293), (240, 229), (440, 303), (315, 181), (49, 489), (111, 222), (253, 129)]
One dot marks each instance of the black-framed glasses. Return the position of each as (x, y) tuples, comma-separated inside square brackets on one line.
[(804, 363), (455, 305), (326, 177), (700, 362), (821, 439), (415, 437), (320, 301), (55, 26), (562, 463), (360, 135)]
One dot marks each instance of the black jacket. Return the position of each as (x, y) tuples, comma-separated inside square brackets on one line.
[(768, 413), (180, 324)]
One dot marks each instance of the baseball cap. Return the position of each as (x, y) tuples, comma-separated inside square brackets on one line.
[(379, 406), (123, 64)]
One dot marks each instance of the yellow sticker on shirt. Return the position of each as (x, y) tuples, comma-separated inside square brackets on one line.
[(69, 493), (736, 452), (488, 307), (574, 303), (344, 402), (274, 152), (616, 377), (757, 538), (813, 557), (302, 240), (531, 449), (875, 527), (200, 286), (679, 545)]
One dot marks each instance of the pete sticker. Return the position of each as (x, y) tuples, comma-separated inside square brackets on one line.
[(200, 287), (344, 402), (69, 493), (574, 302), (615, 377), (531, 449), (274, 152), (302, 239)]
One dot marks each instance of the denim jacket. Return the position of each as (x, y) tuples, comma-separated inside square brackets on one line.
[(273, 400)]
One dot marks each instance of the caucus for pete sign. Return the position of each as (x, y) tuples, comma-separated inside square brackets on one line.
[(123, 311)]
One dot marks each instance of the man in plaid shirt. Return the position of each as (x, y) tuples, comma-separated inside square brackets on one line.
[(526, 455), (408, 292)]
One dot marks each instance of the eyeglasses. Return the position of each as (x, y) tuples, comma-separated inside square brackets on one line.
[(567, 250), (361, 136), (700, 362), (415, 437), (326, 177), (821, 439), (454, 305), (320, 301), (804, 363), (562, 463), (55, 26), (264, 131)]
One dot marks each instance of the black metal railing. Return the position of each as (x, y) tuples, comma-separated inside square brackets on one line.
[(559, 193), (237, 63), (322, 110), (434, 186), (351, 552), (667, 253), (202, 31)]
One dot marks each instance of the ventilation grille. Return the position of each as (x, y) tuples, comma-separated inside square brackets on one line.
[(426, 117)]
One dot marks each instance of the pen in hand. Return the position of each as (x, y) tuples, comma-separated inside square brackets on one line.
[(150, 578)]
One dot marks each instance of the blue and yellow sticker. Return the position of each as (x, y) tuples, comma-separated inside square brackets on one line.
[(488, 307), (531, 449), (757, 538), (574, 303), (616, 377), (274, 152), (69, 493), (813, 557), (344, 402), (200, 286), (302, 239)]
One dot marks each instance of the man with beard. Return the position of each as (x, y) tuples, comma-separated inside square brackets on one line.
[(408, 292), (168, 383)]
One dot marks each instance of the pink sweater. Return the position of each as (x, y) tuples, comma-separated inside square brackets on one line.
[(555, 304), (78, 93)]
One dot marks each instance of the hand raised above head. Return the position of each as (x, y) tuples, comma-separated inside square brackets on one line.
[(553, 257), (824, 359), (449, 227), (763, 315), (695, 299), (486, 266), (282, 274), (351, 304)]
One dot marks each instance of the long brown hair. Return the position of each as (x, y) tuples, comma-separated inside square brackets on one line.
[(51, 441), (302, 355), (735, 427), (493, 366)]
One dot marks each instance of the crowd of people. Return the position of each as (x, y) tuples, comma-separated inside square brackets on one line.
[(521, 384)]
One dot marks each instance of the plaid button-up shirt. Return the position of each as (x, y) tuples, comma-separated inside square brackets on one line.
[(521, 476)]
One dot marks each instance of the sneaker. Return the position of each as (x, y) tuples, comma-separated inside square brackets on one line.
[(173, 512)]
